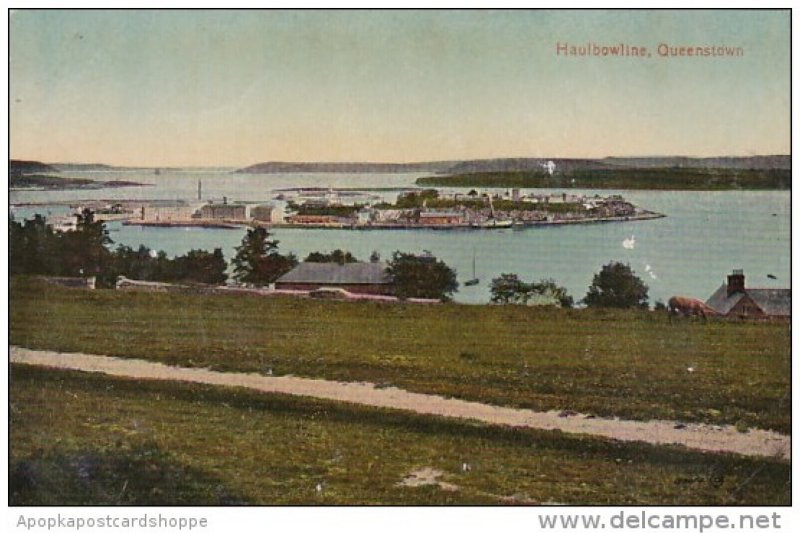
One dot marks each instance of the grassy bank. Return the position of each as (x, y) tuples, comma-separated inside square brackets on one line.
[(690, 179), (608, 363), (88, 439)]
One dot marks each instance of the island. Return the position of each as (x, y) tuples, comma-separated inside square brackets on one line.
[(37, 176), (361, 210), (433, 209)]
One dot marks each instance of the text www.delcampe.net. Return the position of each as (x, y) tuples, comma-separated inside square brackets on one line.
[(648, 520)]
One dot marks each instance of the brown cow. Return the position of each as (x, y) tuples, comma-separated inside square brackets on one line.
[(688, 307)]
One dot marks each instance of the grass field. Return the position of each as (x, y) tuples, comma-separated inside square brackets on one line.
[(88, 439), (607, 363)]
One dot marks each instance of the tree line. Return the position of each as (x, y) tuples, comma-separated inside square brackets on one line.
[(36, 249), (615, 286)]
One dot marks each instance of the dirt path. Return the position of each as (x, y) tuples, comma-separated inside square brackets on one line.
[(705, 437)]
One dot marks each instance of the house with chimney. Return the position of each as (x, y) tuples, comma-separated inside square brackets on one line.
[(734, 299)]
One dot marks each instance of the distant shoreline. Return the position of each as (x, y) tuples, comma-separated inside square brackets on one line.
[(657, 179), (24, 183)]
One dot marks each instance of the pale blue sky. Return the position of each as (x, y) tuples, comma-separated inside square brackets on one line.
[(239, 87)]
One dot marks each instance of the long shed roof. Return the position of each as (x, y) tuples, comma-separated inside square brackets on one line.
[(336, 274)]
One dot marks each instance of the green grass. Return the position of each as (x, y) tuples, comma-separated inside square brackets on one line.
[(624, 178), (80, 438), (609, 363)]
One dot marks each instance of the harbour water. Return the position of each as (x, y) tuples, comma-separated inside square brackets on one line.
[(703, 237)]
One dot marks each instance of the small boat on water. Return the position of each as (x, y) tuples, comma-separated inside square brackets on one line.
[(474, 280)]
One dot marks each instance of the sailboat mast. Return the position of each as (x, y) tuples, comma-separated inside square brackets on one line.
[(473, 263)]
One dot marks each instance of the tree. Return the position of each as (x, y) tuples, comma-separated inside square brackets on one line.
[(616, 285), (412, 199), (36, 249), (375, 257), (201, 266), (509, 289), (33, 247), (549, 289), (257, 260), (197, 266), (134, 264), (84, 250), (337, 256), (421, 276)]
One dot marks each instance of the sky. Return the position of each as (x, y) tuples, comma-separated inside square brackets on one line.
[(233, 88)]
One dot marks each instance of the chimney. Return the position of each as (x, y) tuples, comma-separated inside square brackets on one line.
[(199, 189), (224, 200), (736, 282)]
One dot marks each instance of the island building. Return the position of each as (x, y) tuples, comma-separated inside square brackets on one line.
[(734, 299), (223, 211), (365, 216), (319, 220), (262, 213), (317, 197), (166, 212), (439, 218), (359, 278)]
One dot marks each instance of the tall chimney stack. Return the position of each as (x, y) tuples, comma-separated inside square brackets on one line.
[(736, 282), (199, 189)]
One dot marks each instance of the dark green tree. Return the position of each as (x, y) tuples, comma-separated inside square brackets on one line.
[(337, 256), (143, 264), (421, 276), (33, 247), (375, 257), (200, 266), (257, 260), (616, 285), (509, 289), (548, 288), (84, 251)]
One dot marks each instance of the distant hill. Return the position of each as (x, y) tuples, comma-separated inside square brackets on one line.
[(17, 167), (278, 167), (523, 164), (758, 162), (648, 178), (520, 164), (73, 167)]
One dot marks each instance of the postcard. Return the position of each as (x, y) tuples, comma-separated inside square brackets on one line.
[(401, 258)]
